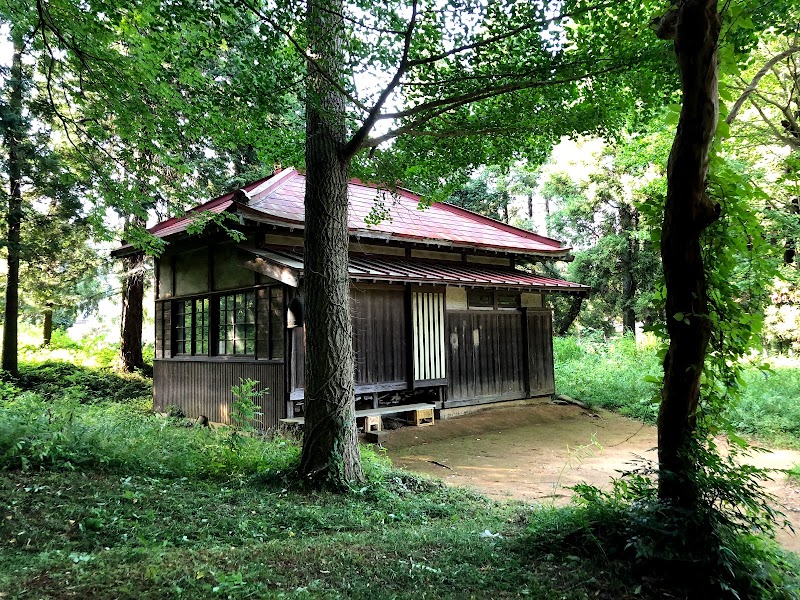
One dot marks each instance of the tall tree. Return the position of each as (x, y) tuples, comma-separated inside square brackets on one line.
[(595, 201), (477, 80), (695, 26), (133, 272), (13, 133), (476, 196), (155, 80), (330, 444)]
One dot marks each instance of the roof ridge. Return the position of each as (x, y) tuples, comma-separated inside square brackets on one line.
[(506, 226)]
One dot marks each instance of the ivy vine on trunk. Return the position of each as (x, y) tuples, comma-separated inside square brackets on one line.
[(688, 212)]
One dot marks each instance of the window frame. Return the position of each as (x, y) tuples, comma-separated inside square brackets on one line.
[(274, 325), (495, 304), (223, 327)]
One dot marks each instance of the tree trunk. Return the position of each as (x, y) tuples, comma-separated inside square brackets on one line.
[(331, 456), (569, 317), (47, 328), (627, 223), (13, 141), (132, 311), (687, 213), (530, 206)]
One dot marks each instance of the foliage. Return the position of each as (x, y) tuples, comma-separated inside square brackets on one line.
[(244, 409), (610, 375), (64, 434), (54, 380), (769, 409), (476, 196), (619, 375), (782, 315), (595, 199), (91, 351), (714, 549)]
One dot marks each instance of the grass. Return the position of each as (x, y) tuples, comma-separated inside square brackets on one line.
[(100, 498), (612, 375), (608, 375), (126, 527), (103, 500), (104, 535)]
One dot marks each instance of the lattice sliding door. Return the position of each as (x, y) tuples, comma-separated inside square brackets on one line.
[(427, 309)]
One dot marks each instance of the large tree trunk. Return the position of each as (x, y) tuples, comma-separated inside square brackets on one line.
[(331, 456), (13, 143), (569, 317), (687, 213), (132, 312), (47, 328), (627, 222)]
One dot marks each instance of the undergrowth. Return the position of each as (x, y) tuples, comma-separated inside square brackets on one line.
[(59, 380), (101, 497), (720, 547), (612, 375)]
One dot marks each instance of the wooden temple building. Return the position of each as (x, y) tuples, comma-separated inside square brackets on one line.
[(445, 308)]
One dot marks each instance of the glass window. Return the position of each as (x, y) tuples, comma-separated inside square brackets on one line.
[(480, 298), (237, 324), (200, 331), (191, 326), (183, 326), (507, 300), (276, 330)]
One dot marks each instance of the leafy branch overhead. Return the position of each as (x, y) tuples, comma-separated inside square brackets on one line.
[(424, 69)]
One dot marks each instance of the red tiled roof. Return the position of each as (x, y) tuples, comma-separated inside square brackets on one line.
[(217, 205), (382, 268), (280, 199)]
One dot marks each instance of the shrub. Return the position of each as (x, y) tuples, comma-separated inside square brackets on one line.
[(55, 380), (608, 374), (35, 433), (720, 547)]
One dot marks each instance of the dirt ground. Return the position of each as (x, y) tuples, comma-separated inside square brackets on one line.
[(535, 453)]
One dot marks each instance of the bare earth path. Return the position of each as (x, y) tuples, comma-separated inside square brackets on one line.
[(534, 453)]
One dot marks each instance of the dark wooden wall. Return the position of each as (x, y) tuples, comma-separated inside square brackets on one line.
[(203, 387), (379, 342), (485, 353), (379, 336), (540, 352)]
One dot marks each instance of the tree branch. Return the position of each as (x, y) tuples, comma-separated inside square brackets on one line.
[(306, 56), (501, 36), (756, 79), (446, 105), (354, 145)]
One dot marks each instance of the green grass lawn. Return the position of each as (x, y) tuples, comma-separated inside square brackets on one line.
[(99, 498), (106, 535), (612, 375)]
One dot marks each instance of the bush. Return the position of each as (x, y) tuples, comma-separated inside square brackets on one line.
[(35, 433), (614, 375), (56, 380), (608, 374), (88, 352), (128, 438), (720, 547), (770, 406)]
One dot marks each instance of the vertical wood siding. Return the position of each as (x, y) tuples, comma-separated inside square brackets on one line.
[(427, 309), (379, 335), (204, 388), (540, 352), (485, 353)]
